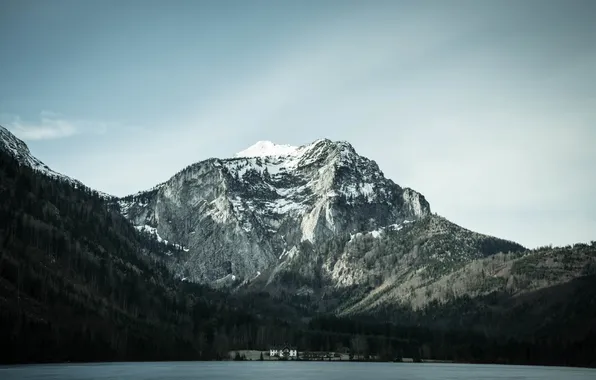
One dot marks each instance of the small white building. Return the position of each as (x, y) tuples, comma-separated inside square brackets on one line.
[(284, 352)]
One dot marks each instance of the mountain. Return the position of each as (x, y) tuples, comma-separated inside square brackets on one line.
[(313, 219), (240, 216), (369, 267), (322, 226)]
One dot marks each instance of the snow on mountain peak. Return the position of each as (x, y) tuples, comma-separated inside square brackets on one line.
[(268, 149)]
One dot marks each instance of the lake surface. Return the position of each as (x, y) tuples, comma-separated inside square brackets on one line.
[(289, 371)]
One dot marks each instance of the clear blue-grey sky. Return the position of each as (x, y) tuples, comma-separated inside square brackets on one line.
[(486, 107)]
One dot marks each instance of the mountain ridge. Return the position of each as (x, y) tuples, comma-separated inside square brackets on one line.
[(270, 204), (78, 282)]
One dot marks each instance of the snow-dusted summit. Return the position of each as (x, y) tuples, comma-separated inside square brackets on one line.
[(256, 211), (269, 149)]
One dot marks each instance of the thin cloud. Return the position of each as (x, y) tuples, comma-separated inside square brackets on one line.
[(52, 126)]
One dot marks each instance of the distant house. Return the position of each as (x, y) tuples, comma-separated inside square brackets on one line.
[(284, 352)]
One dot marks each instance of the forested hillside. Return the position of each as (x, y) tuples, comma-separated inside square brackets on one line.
[(78, 283)]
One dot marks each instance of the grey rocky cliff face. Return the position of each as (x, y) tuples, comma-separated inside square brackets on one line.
[(239, 217)]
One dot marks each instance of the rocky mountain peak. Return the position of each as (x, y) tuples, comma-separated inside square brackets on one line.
[(241, 215)]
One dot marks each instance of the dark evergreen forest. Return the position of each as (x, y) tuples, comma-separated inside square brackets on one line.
[(79, 283)]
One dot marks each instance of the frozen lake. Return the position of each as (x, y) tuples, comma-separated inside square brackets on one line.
[(289, 371)]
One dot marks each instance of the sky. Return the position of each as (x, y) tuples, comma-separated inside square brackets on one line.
[(488, 108)]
